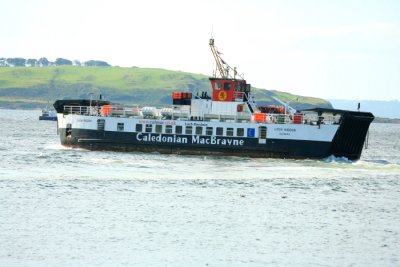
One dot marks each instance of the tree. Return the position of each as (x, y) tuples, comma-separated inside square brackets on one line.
[(31, 62), (96, 63), (43, 62), (17, 61), (63, 61)]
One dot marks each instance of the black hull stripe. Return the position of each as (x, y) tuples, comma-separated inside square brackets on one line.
[(127, 142)]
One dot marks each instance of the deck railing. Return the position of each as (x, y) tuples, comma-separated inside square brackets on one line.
[(311, 119), (269, 118), (81, 110)]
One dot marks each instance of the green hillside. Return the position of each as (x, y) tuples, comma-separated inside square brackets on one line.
[(32, 87)]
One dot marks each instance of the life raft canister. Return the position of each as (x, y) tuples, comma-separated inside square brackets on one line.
[(106, 110)]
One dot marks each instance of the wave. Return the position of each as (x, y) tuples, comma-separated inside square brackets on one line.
[(61, 147), (332, 158), (56, 147), (374, 162), (381, 161), (378, 164)]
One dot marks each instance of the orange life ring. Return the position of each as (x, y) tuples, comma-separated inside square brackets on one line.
[(222, 95)]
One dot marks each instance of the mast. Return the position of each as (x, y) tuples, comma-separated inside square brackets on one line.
[(223, 72), (222, 67)]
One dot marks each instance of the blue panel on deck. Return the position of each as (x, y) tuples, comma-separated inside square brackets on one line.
[(251, 132)]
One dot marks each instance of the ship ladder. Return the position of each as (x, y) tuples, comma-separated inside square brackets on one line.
[(250, 103)]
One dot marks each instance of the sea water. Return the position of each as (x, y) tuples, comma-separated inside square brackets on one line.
[(73, 207)]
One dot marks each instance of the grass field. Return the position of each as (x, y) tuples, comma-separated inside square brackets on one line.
[(30, 85), (110, 77)]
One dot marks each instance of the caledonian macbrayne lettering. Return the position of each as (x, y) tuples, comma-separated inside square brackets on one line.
[(212, 140)]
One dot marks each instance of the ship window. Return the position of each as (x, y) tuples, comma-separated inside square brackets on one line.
[(263, 132), (220, 131), (238, 87), (100, 124), (120, 127), (178, 129), (68, 129), (168, 129), (158, 128), (218, 86), (239, 132), (209, 130), (229, 131), (227, 86), (149, 128), (139, 128), (188, 129), (199, 130)]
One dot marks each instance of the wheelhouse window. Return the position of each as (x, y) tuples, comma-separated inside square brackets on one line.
[(229, 131), (199, 130), (238, 87), (227, 86), (158, 128), (220, 131), (218, 85), (178, 129), (168, 129), (139, 128), (120, 126), (189, 130), (239, 132), (209, 130), (149, 128)]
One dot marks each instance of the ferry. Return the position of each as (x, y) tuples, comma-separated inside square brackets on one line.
[(226, 123), (48, 115)]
